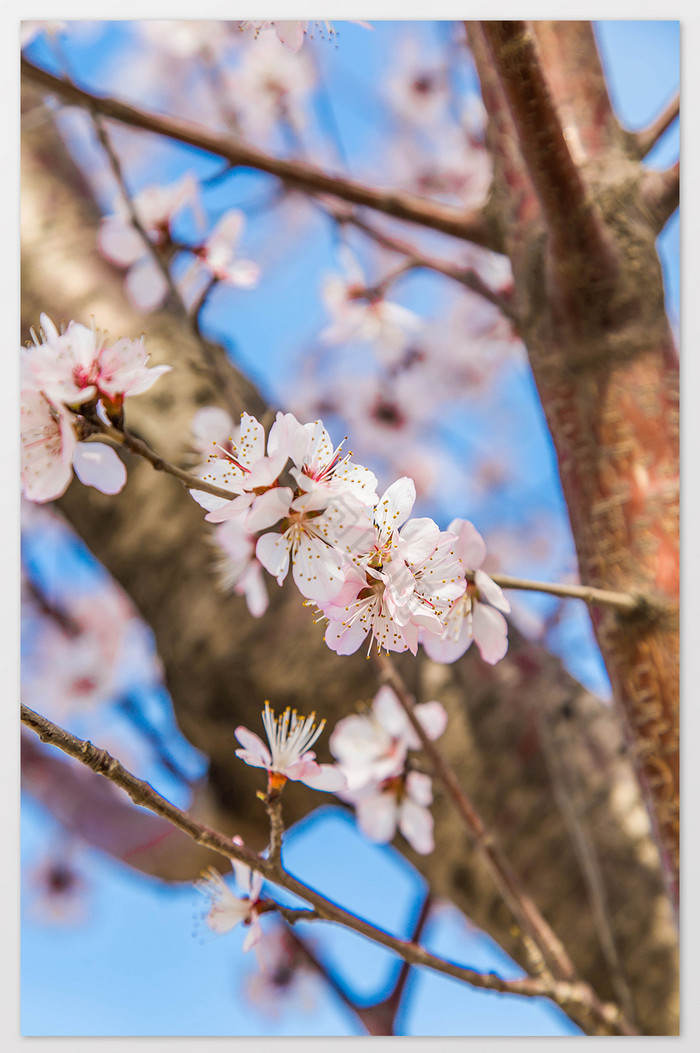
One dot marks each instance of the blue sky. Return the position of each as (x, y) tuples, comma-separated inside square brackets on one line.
[(141, 962)]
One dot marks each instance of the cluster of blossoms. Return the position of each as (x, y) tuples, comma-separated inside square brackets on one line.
[(67, 380), (371, 570), (371, 750), (156, 208)]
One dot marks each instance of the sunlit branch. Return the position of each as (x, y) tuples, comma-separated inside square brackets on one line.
[(622, 601), (571, 218), (648, 137), (660, 194), (567, 995), (142, 449), (469, 226)]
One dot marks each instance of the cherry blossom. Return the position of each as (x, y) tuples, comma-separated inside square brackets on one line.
[(285, 977), (227, 910), (372, 746), (291, 33), (240, 466), (50, 452), (399, 801), (270, 83), (80, 365), (123, 244), (289, 755), (403, 583), (476, 615), (216, 259), (361, 313), (238, 566)]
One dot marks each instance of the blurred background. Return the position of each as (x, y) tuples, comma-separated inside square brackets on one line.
[(106, 951)]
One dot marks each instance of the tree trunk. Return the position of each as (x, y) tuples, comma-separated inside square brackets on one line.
[(515, 729)]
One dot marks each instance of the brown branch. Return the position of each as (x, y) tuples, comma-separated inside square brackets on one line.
[(297, 174), (415, 259), (142, 449), (567, 995), (660, 194), (649, 136), (577, 234), (524, 910), (523, 907), (621, 601)]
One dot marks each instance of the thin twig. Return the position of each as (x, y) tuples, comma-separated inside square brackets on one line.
[(567, 995), (623, 601), (273, 805), (142, 449), (531, 922), (470, 226), (223, 379), (466, 276), (649, 136)]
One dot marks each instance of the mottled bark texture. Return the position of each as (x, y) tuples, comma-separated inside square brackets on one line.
[(579, 219), (221, 663)]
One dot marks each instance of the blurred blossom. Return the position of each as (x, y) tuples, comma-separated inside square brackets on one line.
[(57, 890)]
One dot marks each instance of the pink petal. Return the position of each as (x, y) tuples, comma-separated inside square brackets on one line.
[(432, 717), (326, 777), (98, 465), (419, 788), (490, 632), (255, 749), (269, 508), (145, 285), (470, 545), (416, 825), (272, 550), (120, 242), (491, 592), (376, 817)]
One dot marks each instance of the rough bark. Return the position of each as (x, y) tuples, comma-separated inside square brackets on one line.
[(603, 357), (221, 663)]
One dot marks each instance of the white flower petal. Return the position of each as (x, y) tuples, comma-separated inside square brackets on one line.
[(491, 592), (490, 631), (470, 545), (376, 817), (98, 465)]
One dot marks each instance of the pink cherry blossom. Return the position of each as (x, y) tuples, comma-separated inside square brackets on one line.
[(238, 567), (372, 746), (227, 910), (399, 801), (50, 451), (402, 583), (289, 755), (121, 243), (80, 364), (476, 615), (268, 84), (240, 466), (359, 313), (217, 259)]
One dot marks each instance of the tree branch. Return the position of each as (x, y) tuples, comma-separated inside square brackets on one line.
[(621, 601), (550, 952), (415, 259), (143, 794), (648, 137), (572, 221), (296, 174), (142, 449), (660, 194)]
